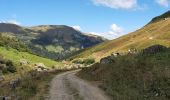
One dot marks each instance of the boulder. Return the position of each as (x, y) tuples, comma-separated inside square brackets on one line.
[(40, 65), (5, 98), (39, 70), (104, 60), (80, 65), (154, 49), (23, 62), (66, 66), (69, 67), (76, 66), (107, 60), (115, 54), (132, 51)]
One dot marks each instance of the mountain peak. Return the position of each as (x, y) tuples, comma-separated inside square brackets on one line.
[(8, 24), (11, 28), (161, 17)]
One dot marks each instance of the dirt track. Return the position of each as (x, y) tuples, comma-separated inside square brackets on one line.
[(67, 86)]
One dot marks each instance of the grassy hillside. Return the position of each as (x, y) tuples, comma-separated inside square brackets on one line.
[(52, 41), (157, 32), (32, 85), (133, 77), (16, 56), (9, 40), (15, 50)]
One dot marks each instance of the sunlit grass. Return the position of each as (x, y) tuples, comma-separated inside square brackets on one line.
[(16, 56)]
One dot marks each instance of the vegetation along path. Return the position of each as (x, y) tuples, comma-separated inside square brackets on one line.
[(67, 86)]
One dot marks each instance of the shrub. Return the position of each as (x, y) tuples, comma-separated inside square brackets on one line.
[(10, 67), (7, 66), (87, 61), (4, 70), (10, 41), (77, 61)]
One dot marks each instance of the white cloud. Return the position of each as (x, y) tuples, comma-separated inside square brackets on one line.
[(114, 32), (11, 21), (95, 33), (164, 3), (117, 4), (76, 27)]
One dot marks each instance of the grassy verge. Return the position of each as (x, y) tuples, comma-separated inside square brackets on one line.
[(133, 77), (32, 86)]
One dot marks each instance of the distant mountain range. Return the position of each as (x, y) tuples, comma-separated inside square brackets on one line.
[(52, 41), (157, 31)]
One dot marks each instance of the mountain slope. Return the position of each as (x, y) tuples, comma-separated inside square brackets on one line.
[(64, 35), (13, 49), (156, 32), (141, 76), (9, 40), (52, 41)]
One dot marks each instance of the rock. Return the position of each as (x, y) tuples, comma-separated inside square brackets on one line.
[(2, 98), (23, 62), (42, 69), (115, 54), (69, 67), (66, 66), (107, 60), (39, 70), (45, 70), (40, 65), (2, 66), (75, 66), (79, 65), (104, 60), (5, 98), (15, 82), (154, 49), (2, 78), (132, 51)]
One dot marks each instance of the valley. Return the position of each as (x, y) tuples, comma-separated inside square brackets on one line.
[(60, 62), (56, 42)]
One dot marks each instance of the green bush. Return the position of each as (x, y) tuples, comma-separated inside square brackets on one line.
[(87, 61), (10, 41), (4, 70), (7, 66), (77, 61)]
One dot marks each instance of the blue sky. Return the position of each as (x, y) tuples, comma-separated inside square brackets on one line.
[(108, 18)]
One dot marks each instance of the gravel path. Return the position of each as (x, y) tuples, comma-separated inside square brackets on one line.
[(67, 86)]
